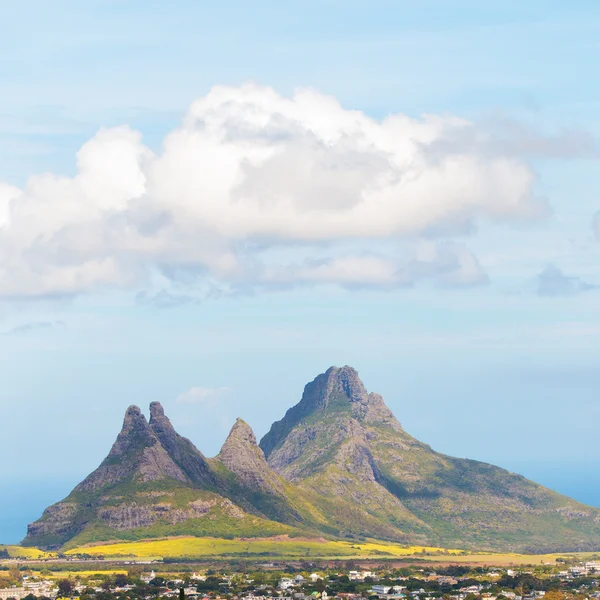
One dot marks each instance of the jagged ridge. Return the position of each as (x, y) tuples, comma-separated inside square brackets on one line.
[(338, 463)]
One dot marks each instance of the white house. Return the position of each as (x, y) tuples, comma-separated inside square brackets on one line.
[(148, 578), (380, 589), (285, 583)]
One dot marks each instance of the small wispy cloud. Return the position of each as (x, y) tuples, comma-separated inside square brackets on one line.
[(202, 395), (552, 282), (34, 326), (165, 299)]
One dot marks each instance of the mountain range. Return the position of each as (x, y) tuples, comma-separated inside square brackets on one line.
[(338, 464)]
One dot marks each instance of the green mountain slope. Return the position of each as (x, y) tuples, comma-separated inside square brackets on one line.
[(155, 483), (343, 442), (338, 464)]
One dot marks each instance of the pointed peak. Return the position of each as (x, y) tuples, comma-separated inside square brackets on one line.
[(134, 422), (337, 390), (240, 432), (156, 410), (242, 455), (336, 382), (158, 419), (134, 419), (348, 381), (133, 412), (180, 449)]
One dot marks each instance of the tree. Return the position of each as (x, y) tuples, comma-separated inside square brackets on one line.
[(65, 588), (135, 572), (15, 575), (554, 595)]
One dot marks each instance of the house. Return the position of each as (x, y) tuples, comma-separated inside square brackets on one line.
[(361, 575), (380, 589), (148, 578), (285, 583), (13, 592), (314, 577)]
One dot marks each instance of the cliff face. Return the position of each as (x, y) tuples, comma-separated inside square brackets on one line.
[(338, 463), (241, 455), (182, 452)]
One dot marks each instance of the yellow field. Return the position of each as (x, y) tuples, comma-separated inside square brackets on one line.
[(291, 548), (79, 574), (284, 548), (22, 552), (510, 559), (198, 547)]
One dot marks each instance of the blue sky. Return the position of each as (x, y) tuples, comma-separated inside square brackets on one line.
[(468, 299)]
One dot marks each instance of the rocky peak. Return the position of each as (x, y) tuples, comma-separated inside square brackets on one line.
[(241, 432), (181, 450), (135, 433), (337, 383), (137, 454), (159, 422), (241, 455), (156, 410), (133, 415), (335, 389), (345, 380), (241, 440)]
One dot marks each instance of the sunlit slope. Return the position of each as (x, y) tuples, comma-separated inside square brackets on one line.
[(343, 442), (274, 547)]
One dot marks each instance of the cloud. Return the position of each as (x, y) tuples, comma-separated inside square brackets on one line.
[(500, 135), (445, 264), (247, 173), (202, 395), (165, 299), (552, 282), (34, 326)]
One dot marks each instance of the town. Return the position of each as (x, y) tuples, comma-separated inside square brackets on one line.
[(568, 579)]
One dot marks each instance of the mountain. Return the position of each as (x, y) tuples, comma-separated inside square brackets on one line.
[(337, 464), (342, 441), (155, 483)]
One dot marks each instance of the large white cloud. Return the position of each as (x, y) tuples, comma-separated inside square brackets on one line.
[(250, 171)]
